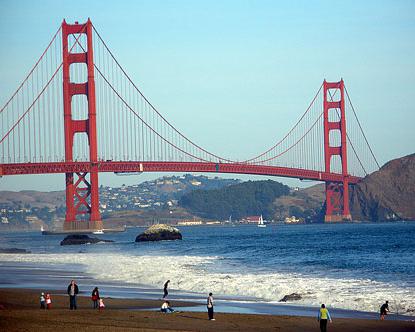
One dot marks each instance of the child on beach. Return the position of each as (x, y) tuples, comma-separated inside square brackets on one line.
[(323, 316), (101, 304), (48, 301), (42, 301)]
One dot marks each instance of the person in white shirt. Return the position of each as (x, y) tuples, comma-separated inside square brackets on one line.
[(165, 307), (210, 306)]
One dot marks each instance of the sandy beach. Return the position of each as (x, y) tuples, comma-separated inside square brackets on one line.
[(20, 312)]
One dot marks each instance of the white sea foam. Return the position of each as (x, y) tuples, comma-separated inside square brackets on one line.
[(193, 273)]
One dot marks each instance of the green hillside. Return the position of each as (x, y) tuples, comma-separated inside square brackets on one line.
[(239, 200)]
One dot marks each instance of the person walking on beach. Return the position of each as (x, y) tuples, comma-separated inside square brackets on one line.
[(165, 289), (42, 301), (323, 316), (72, 292), (95, 297), (384, 309), (210, 306), (48, 301)]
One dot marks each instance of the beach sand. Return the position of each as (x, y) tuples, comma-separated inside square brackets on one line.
[(19, 311)]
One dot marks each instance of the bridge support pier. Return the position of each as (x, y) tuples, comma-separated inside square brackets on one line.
[(337, 202), (337, 193), (82, 196)]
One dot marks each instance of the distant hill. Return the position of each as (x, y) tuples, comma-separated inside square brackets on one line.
[(239, 200), (303, 203), (388, 194), (150, 201), (32, 198), (165, 188)]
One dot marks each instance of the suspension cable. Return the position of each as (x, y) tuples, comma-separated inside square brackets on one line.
[(153, 107), (292, 129), (30, 73), (361, 129), (43, 90)]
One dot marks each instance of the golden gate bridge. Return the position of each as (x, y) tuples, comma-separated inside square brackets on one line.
[(78, 112)]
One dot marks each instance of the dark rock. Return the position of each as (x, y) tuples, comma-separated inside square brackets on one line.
[(13, 251), (387, 194), (81, 239), (291, 297), (160, 232)]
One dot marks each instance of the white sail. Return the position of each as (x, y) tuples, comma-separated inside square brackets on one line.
[(261, 222)]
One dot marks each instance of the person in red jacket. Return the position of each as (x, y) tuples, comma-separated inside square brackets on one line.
[(95, 297), (48, 301)]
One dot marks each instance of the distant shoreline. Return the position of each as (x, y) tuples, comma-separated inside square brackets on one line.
[(275, 224)]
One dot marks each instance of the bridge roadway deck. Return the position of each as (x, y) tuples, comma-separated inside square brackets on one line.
[(163, 166)]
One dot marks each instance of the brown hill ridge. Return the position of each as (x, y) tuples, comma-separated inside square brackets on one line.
[(387, 194)]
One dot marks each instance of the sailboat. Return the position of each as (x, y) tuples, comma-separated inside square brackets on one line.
[(261, 222)]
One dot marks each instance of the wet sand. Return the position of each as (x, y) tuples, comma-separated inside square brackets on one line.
[(19, 311)]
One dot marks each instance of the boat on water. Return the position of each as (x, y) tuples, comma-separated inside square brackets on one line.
[(261, 222), (99, 231)]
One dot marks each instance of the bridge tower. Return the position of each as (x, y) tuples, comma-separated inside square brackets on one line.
[(337, 193), (82, 197)]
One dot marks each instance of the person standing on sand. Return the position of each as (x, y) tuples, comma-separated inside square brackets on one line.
[(48, 301), (165, 289), (42, 301), (323, 315), (95, 297), (384, 309), (210, 306), (72, 292)]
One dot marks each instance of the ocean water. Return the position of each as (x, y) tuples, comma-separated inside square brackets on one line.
[(346, 266)]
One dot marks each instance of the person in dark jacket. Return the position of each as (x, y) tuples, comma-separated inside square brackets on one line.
[(72, 292), (95, 297), (165, 289), (384, 310)]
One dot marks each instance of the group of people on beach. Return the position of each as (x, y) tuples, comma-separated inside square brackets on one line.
[(45, 301), (166, 308), (73, 291), (98, 303), (323, 316)]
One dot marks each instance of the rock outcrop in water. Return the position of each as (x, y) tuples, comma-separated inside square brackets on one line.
[(291, 297), (387, 194), (160, 232), (74, 239), (13, 251)]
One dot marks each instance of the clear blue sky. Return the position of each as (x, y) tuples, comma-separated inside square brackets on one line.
[(234, 76)]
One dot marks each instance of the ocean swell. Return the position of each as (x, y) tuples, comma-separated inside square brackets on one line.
[(200, 274)]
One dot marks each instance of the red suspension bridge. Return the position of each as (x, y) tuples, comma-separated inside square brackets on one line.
[(78, 112)]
